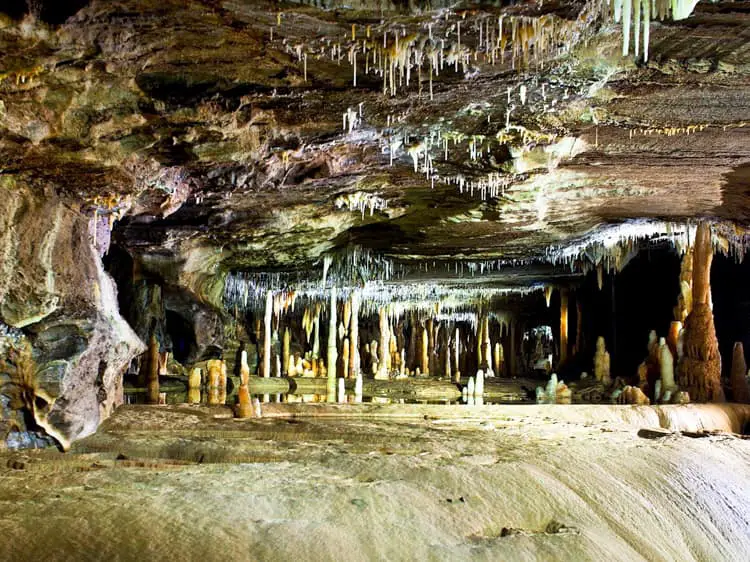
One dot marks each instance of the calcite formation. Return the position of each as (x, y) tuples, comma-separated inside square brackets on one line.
[(602, 362), (738, 377), (700, 368)]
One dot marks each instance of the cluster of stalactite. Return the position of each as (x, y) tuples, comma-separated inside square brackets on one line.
[(636, 16), (375, 339), (402, 53)]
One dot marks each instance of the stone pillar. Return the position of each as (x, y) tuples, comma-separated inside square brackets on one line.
[(700, 368), (740, 390), (457, 353), (332, 354), (354, 367), (579, 324), (285, 351), (384, 345), (513, 363), (486, 364), (563, 326), (152, 374), (267, 335)]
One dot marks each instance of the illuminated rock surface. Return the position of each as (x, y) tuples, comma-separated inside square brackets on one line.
[(251, 205)]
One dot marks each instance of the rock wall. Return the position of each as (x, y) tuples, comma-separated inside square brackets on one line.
[(53, 287)]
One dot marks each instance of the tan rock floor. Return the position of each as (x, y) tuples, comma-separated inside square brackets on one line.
[(402, 482)]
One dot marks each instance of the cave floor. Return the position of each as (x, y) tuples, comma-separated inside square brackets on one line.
[(326, 482)]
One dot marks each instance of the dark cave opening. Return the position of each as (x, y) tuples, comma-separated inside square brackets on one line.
[(54, 12), (182, 336)]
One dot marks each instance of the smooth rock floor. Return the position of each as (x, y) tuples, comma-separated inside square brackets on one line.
[(318, 482)]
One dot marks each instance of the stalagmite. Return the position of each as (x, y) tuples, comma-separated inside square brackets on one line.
[(470, 388), (601, 362), (213, 366), (358, 385), (738, 377), (673, 336), (345, 358), (666, 365), (152, 374), (425, 364), (285, 351), (486, 347), (479, 384), (332, 354), (457, 355), (498, 359), (384, 346), (342, 391), (244, 408), (513, 351), (267, 335), (194, 379), (685, 298), (579, 326), (700, 368), (194, 395), (354, 368), (564, 326), (316, 331), (244, 368)]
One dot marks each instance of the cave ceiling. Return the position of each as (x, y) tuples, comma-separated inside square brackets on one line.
[(231, 134)]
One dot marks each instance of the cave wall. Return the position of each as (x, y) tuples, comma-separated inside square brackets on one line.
[(54, 288)]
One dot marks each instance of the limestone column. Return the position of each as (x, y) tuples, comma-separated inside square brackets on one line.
[(425, 363), (354, 336), (700, 368), (316, 332), (267, 335), (486, 364), (332, 352), (152, 374), (457, 353), (513, 364), (384, 345), (430, 329), (740, 389), (579, 324), (563, 326), (285, 348)]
